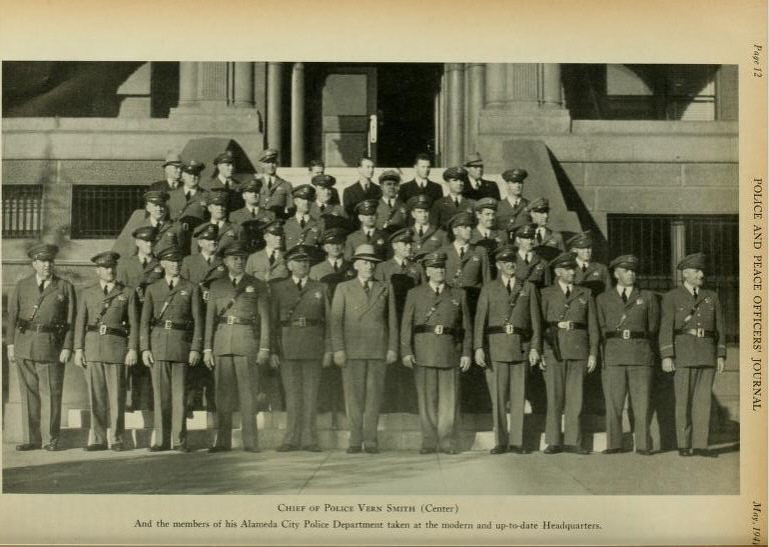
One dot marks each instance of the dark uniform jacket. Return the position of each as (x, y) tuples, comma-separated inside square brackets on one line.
[(391, 218), (333, 209), (322, 269), (198, 271), (169, 234), (551, 238), (296, 235), (131, 273), (409, 189), (234, 198), (537, 271), (596, 278), (258, 265), (353, 195), (378, 240), (517, 314), (115, 318), (179, 206), (163, 186), (53, 310), (486, 189), (300, 319), (680, 311), (171, 321), (385, 270), (472, 270), (364, 326), (228, 232), (628, 328), (495, 238), (578, 343), (248, 304), (507, 214), (244, 214), (277, 197), (432, 239), (445, 318), (444, 208)]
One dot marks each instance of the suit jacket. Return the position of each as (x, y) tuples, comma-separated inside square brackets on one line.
[(432, 239), (409, 189), (300, 320), (551, 239), (55, 307), (258, 265), (179, 206), (574, 344), (117, 309), (402, 280), (688, 350), (198, 271), (486, 189), (239, 216), (640, 314), (353, 195), (131, 273), (162, 186), (364, 326), (472, 270), (508, 215), (494, 311), (180, 306), (296, 235), (277, 198), (596, 278), (391, 218), (536, 272), (251, 302), (378, 240), (447, 310), (235, 198), (444, 208)]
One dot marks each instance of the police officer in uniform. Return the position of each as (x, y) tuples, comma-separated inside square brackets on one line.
[(335, 268), (628, 318), (391, 213), (454, 202), (591, 274), (167, 232), (571, 345), (276, 192), (485, 232), (171, 337), (269, 263), (172, 168), (251, 211), (221, 179), (427, 237), (530, 266), (436, 341), (539, 209), (41, 314), (693, 346), (189, 200), (237, 338), (508, 326), (364, 339), (368, 234), (106, 342), (324, 205), (217, 209), (512, 210), (300, 317), (301, 228)]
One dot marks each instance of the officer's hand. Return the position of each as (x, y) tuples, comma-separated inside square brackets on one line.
[(542, 364), (408, 361), (392, 357), (591, 362), (340, 358), (465, 362), (328, 359), (480, 357), (79, 358), (208, 359), (274, 360), (720, 363), (263, 357), (147, 358), (11, 354), (194, 358), (534, 357), (668, 365), (65, 355), (130, 358)]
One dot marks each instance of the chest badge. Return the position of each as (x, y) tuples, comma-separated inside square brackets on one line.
[(249, 289)]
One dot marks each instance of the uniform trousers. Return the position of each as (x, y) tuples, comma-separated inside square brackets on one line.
[(693, 388), (236, 378), (106, 393), (363, 381), (507, 381), (140, 385), (200, 384), (301, 379), (437, 395), (168, 380), (40, 385), (618, 380), (563, 384)]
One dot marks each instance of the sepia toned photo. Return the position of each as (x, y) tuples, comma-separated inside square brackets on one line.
[(390, 300)]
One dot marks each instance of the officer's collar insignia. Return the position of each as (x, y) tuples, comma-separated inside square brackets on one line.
[(639, 301), (380, 241), (157, 269), (60, 297), (317, 295), (249, 289), (122, 298), (476, 259), (183, 292), (582, 301), (220, 269)]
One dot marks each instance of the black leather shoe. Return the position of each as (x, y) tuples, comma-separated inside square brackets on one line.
[(215, 449), (118, 447), (612, 451), (704, 452), (53, 446), (354, 450), (515, 449), (685, 452), (499, 449), (312, 448), (428, 451), (371, 450), (286, 448), (95, 447), (552, 449), (575, 449), (449, 451), (253, 449), (27, 446), (183, 448), (644, 452), (157, 448)]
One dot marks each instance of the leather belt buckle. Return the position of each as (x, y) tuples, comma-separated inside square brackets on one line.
[(626, 334), (438, 329), (509, 329), (230, 319), (700, 333), (301, 322), (566, 325), (168, 324), (102, 330)]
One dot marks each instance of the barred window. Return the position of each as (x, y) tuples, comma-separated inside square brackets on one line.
[(22, 211), (660, 241), (100, 212)]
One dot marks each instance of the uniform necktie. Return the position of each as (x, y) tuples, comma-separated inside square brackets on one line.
[(144, 262), (461, 253), (695, 292), (368, 236), (509, 286), (539, 237), (584, 267), (437, 291), (41, 287), (171, 285), (234, 282), (322, 207), (403, 266), (106, 290), (456, 202), (568, 292), (336, 265), (624, 296), (269, 183), (187, 196), (516, 203), (208, 261), (253, 213), (526, 259), (366, 287), (420, 232), (390, 203), (299, 285), (302, 222)]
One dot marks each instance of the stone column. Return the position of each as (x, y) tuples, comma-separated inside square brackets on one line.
[(496, 74), (522, 86), (297, 115), (552, 97), (274, 104), (243, 92), (455, 116), (476, 74), (188, 84), (212, 84)]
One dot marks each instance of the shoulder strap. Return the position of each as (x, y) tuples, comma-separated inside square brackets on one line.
[(231, 303), (513, 300)]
